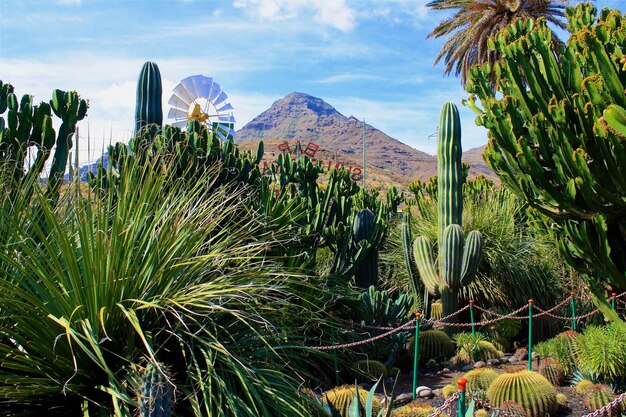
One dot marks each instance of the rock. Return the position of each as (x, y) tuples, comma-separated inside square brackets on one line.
[(365, 385), (480, 364), (467, 368), (454, 368), (444, 371), (493, 362), (513, 359), (423, 392), (403, 397)]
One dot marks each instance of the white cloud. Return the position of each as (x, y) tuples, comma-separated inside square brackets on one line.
[(335, 14)]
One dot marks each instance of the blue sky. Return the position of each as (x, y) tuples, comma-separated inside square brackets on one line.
[(367, 58)]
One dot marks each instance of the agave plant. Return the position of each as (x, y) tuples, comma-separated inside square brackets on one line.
[(167, 273)]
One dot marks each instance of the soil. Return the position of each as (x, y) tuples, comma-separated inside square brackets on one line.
[(574, 406)]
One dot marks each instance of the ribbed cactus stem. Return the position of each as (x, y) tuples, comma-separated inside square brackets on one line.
[(156, 393), (149, 108), (366, 273), (449, 171)]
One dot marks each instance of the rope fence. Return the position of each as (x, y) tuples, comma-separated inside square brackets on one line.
[(417, 323)]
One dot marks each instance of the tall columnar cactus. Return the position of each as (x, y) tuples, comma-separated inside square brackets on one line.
[(156, 399), (458, 258), (557, 129), (366, 273), (149, 107)]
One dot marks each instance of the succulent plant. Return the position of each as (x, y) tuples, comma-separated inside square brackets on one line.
[(598, 396), (415, 408), (393, 371), (561, 399), (513, 409), (370, 369), (366, 274), (341, 397), (553, 372), (448, 390), (458, 255), (148, 109), (554, 135), (583, 386), (479, 379), (433, 344), (529, 389), (481, 413), (156, 397), (436, 310), (473, 347)]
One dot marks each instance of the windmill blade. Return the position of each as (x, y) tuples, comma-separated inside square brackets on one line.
[(222, 136), (202, 85), (216, 89), (225, 107), (219, 99), (191, 88), (227, 130), (181, 91), (177, 114), (178, 103), (227, 118)]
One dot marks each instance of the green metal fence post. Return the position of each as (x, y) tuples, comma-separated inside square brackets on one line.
[(530, 334), (416, 351), (461, 404), (332, 338), (471, 304), (613, 295), (573, 311)]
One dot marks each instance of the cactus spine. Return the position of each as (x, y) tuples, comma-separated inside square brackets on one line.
[(598, 396), (366, 273), (156, 398), (149, 108), (458, 257)]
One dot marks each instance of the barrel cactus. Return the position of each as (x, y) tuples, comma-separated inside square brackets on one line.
[(366, 273), (156, 398), (598, 396), (149, 107), (513, 409), (529, 389), (414, 409), (479, 379), (370, 369), (583, 386), (553, 372), (436, 310), (458, 255), (341, 397), (433, 344)]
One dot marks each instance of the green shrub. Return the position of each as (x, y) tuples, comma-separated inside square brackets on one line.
[(600, 350), (370, 369), (473, 347)]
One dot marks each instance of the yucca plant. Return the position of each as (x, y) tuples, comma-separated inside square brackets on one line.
[(165, 273)]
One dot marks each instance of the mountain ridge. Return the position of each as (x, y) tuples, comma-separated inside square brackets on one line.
[(300, 117)]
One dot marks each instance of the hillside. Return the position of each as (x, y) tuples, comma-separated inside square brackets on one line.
[(337, 139)]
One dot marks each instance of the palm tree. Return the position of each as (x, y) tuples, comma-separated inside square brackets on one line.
[(475, 21)]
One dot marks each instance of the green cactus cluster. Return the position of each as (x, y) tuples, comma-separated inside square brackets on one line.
[(553, 372), (529, 389), (556, 135), (363, 226), (598, 396), (340, 398), (433, 344), (370, 369), (156, 397), (458, 255), (29, 126)]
